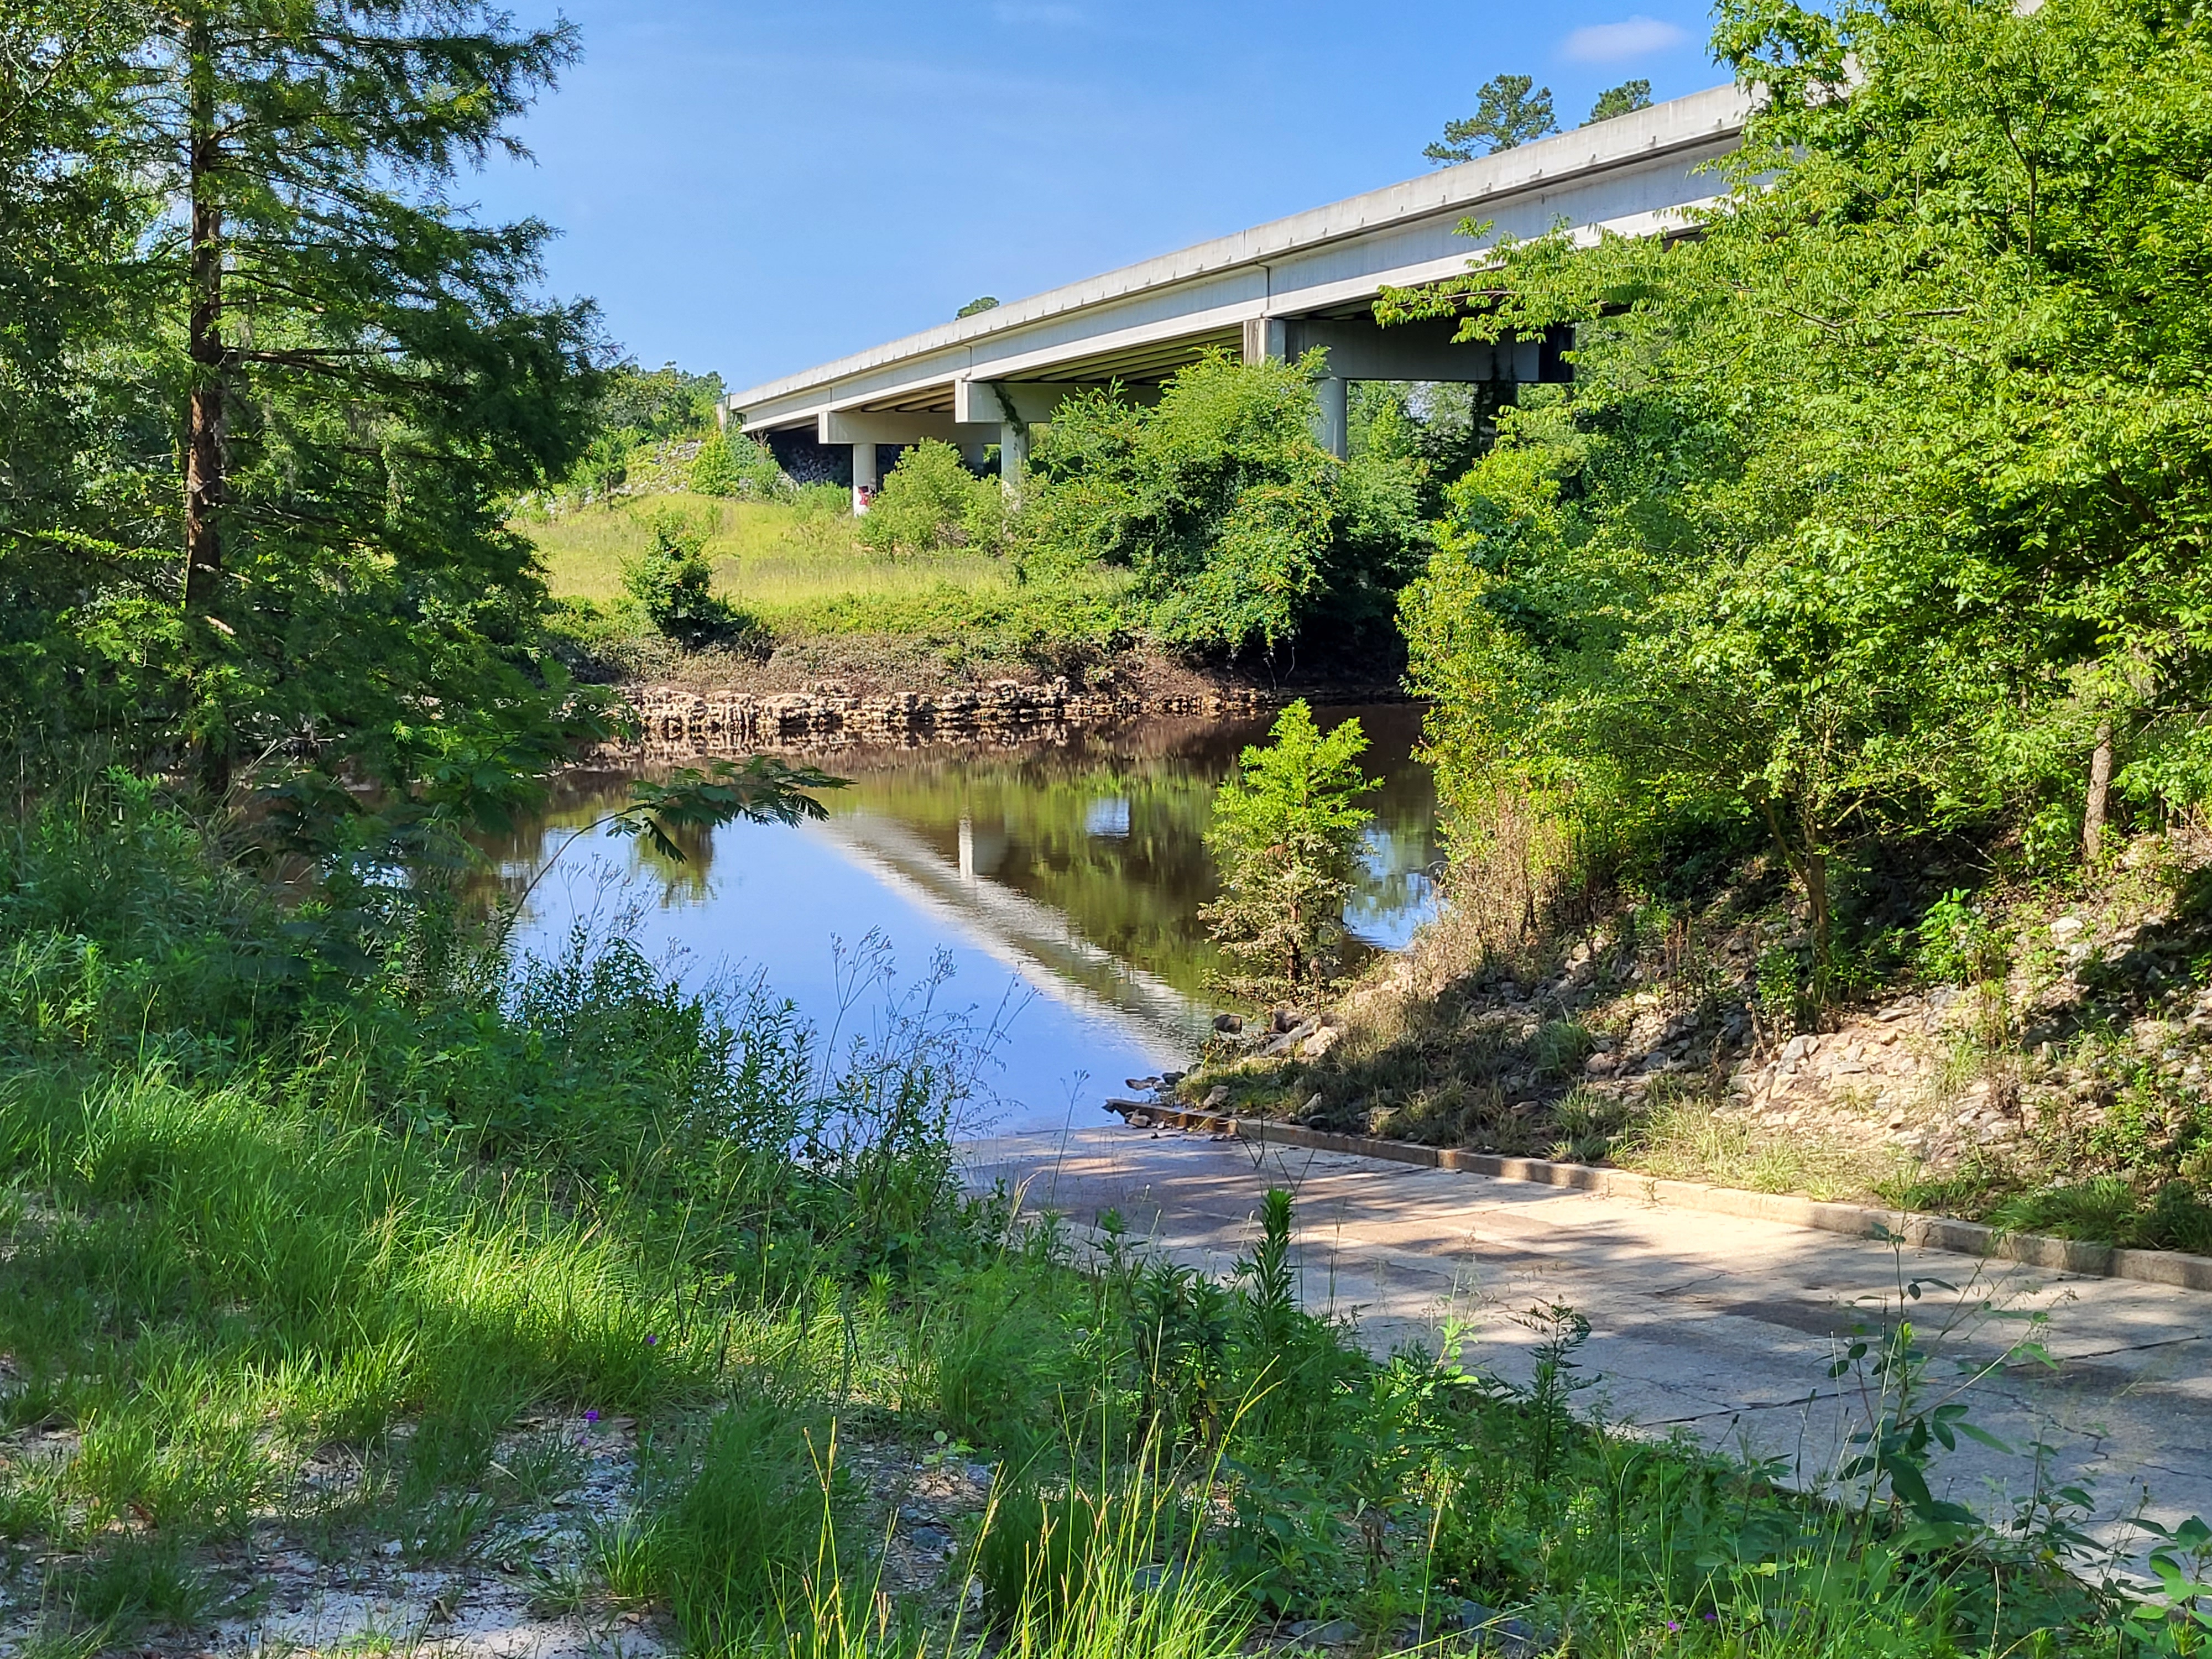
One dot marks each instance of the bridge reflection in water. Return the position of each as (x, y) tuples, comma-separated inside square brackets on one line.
[(1074, 871)]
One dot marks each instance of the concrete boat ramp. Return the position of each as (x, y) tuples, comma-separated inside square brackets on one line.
[(1721, 1327)]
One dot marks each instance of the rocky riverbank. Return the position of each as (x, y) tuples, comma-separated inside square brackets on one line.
[(2062, 1089), (676, 721)]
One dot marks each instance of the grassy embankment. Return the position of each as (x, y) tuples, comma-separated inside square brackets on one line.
[(2026, 1049), (336, 1254), (813, 601)]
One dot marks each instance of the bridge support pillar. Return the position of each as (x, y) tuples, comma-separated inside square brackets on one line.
[(1014, 456), (865, 478), (1333, 423)]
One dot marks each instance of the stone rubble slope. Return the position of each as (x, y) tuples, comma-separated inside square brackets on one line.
[(2104, 992)]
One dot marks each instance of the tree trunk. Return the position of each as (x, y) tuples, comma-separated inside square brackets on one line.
[(2100, 789), (1806, 861), (203, 454), (1816, 908)]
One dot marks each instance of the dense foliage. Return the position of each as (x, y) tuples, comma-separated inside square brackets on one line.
[(930, 502), (1239, 529), (269, 390), (731, 464), (1882, 501), (636, 409)]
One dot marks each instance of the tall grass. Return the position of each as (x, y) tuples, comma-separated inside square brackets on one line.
[(584, 549), (1681, 1137), (794, 571), (251, 1205), (776, 560)]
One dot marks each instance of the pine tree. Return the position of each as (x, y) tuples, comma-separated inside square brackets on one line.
[(1508, 114), (71, 228), (362, 374), (1285, 836), (1624, 100)]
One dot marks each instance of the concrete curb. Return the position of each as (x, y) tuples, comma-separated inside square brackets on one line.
[(1931, 1233)]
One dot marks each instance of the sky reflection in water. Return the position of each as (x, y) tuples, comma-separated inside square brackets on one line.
[(1062, 880)]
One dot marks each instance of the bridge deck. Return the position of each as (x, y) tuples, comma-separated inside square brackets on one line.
[(1633, 174)]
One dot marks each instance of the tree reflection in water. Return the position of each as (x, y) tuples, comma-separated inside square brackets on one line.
[(1080, 863)]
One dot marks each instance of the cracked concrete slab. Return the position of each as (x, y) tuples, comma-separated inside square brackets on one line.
[(1723, 1327)]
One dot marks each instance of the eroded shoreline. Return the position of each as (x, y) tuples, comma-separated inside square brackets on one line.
[(674, 721)]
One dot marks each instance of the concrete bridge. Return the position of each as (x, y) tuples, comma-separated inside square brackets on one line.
[(1272, 292)]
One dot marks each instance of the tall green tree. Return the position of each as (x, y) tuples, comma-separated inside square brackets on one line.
[(1881, 501), (359, 373), (72, 222), (1510, 111)]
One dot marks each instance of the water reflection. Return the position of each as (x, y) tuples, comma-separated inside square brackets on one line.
[(1077, 869)]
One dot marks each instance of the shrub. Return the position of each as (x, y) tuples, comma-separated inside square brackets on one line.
[(673, 583), (1959, 945), (932, 503), (731, 464), (1285, 835)]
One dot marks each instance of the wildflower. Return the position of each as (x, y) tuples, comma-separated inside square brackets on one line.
[(652, 1341), (590, 1417)]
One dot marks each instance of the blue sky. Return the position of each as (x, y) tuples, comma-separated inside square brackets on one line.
[(754, 187)]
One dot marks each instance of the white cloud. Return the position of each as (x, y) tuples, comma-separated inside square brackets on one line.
[(1616, 43)]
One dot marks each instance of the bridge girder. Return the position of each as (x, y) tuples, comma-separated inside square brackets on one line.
[(1274, 291)]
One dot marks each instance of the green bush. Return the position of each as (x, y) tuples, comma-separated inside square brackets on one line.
[(930, 502), (1239, 529), (1959, 944), (672, 582), (731, 464)]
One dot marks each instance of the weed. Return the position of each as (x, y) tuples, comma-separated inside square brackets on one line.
[(560, 1589), (1558, 1049), (1590, 1122), (728, 1524), (1035, 1559), (1682, 1137), (1560, 1331), (132, 1581), (532, 1473), (452, 1527)]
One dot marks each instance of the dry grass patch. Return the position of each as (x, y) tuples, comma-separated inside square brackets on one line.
[(1684, 1139)]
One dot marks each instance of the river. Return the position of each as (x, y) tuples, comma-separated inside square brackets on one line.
[(1059, 882)]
